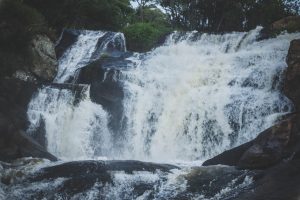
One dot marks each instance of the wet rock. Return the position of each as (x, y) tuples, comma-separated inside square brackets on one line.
[(270, 147), (44, 62), (289, 24), (67, 38), (82, 168), (83, 175), (14, 143), (292, 79), (106, 88), (209, 181), (230, 157), (280, 182)]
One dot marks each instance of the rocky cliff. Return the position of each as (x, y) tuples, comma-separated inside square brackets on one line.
[(15, 94)]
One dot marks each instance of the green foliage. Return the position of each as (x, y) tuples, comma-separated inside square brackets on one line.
[(144, 36), (18, 24), (84, 14), (224, 15)]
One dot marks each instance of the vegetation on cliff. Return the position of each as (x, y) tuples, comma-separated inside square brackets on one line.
[(144, 26)]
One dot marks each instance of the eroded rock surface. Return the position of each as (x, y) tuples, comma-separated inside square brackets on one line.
[(44, 62)]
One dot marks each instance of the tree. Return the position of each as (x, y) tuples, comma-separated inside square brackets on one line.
[(142, 4), (224, 15), (293, 6)]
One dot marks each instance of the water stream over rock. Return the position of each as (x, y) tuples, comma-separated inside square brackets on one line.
[(182, 103)]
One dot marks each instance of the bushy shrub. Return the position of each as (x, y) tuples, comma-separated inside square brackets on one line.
[(144, 36)]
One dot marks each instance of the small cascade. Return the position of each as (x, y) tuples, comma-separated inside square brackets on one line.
[(64, 112), (71, 124), (90, 46)]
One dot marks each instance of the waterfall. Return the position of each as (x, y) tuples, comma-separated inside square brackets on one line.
[(189, 99), (90, 45), (72, 126), (201, 94)]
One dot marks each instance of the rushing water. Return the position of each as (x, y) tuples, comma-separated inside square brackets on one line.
[(191, 98), (185, 101)]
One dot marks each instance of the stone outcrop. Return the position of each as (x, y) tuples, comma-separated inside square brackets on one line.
[(44, 62), (292, 79), (289, 24), (272, 146), (105, 88), (281, 182)]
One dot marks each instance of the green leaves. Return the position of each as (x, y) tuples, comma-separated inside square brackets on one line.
[(144, 36)]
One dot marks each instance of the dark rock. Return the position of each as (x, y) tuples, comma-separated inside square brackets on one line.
[(44, 63), (14, 98), (82, 168), (270, 147), (82, 175), (129, 166), (67, 38), (106, 88), (209, 181), (281, 182), (27, 147), (230, 157), (289, 24), (292, 79)]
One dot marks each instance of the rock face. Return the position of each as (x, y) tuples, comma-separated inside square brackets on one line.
[(106, 88), (273, 145), (292, 80), (14, 98), (281, 182), (67, 38), (289, 24), (44, 62)]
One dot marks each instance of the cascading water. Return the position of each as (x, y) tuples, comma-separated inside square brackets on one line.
[(72, 127), (192, 98), (90, 45), (200, 94)]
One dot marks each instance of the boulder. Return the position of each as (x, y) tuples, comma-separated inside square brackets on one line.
[(292, 79), (282, 141), (281, 182), (83, 175), (44, 63)]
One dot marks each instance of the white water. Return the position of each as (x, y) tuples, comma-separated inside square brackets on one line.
[(70, 129), (83, 52), (188, 100), (194, 98)]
